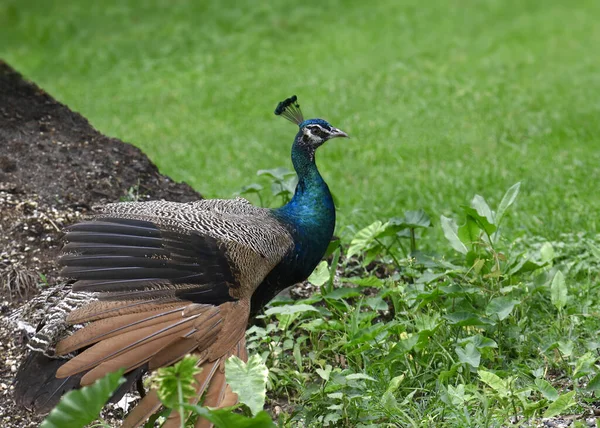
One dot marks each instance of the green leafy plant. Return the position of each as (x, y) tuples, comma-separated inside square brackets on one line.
[(281, 182), (457, 335), (175, 384), (248, 381), (133, 194), (175, 387), (380, 239), (496, 329), (80, 407)]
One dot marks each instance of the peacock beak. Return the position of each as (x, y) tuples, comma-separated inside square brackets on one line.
[(335, 133)]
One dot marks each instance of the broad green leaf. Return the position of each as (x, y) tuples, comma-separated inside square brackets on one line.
[(561, 404), (284, 187), (248, 380), (395, 383), (320, 275), (463, 318), (429, 277), (594, 383), (80, 407), (417, 218), (507, 200), (343, 293), (483, 209), (494, 381), (584, 365), (359, 376), (365, 237), (501, 307), (405, 344), (412, 219), (367, 281), (469, 355), (334, 244), (524, 264), (376, 303), (547, 390), (290, 309), (330, 419), (457, 395), (223, 418), (566, 347), (479, 341), (451, 233), (558, 290), (547, 253), (469, 232), (388, 400), (316, 324), (276, 173), (325, 373), (251, 188), (481, 220)]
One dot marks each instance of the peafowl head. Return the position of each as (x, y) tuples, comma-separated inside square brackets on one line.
[(313, 132)]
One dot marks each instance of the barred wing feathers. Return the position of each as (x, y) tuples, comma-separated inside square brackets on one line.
[(207, 251), (166, 279)]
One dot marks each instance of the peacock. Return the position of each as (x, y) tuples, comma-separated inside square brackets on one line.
[(158, 280)]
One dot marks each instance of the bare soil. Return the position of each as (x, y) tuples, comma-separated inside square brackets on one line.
[(54, 167)]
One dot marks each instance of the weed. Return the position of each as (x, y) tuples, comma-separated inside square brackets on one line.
[(500, 330)]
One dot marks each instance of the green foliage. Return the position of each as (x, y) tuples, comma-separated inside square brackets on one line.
[(497, 329), (133, 194), (175, 387), (175, 384), (561, 404), (282, 183), (380, 239), (80, 407), (558, 290), (491, 333), (248, 381), (228, 419)]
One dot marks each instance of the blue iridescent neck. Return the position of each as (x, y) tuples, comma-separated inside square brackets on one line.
[(310, 218), (312, 201), (310, 214)]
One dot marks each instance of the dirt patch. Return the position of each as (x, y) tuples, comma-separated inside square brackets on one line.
[(54, 166)]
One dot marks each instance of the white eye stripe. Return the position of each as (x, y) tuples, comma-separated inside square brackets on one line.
[(309, 133), (318, 130)]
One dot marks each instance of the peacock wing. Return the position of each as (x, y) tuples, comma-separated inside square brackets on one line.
[(204, 252), (165, 279)]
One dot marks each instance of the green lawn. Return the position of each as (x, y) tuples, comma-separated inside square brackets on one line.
[(441, 101)]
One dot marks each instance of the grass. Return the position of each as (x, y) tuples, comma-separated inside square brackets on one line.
[(441, 101), (502, 332)]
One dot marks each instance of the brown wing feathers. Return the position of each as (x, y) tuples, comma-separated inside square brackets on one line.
[(211, 332), (164, 280)]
